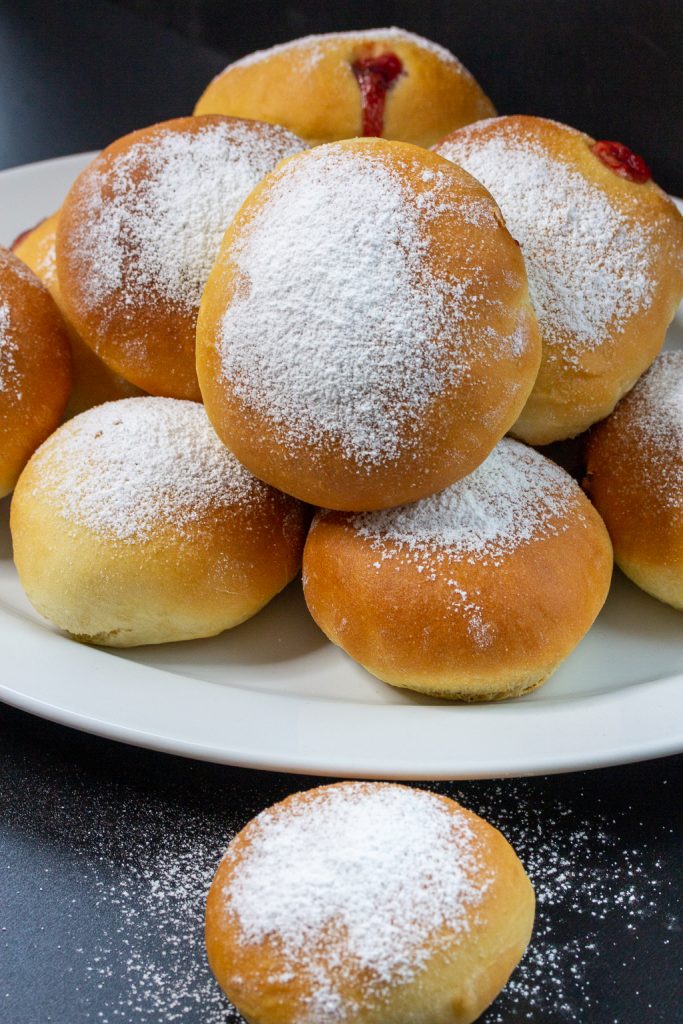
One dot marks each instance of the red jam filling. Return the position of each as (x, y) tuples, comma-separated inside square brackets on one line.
[(24, 234), (623, 161), (375, 76)]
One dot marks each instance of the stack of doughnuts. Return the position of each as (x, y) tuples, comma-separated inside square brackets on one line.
[(290, 334), (363, 320)]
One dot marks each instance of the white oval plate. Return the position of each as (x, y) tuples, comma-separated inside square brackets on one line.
[(275, 694)]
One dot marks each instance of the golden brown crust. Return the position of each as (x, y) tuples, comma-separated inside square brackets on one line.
[(175, 582), (309, 86), (633, 476), (94, 382), (461, 626), (164, 363), (572, 393), (463, 422), (143, 332), (458, 982), (35, 367)]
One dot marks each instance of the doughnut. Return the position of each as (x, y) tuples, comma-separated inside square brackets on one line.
[(35, 367), (132, 525), (477, 593), (138, 234), (383, 82), (93, 382), (603, 247), (367, 903), (634, 477), (366, 337)]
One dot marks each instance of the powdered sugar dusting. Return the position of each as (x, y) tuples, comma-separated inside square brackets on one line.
[(46, 261), (654, 413), (314, 46), (587, 263), (336, 329), (8, 261), (370, 873), (7, 350), (161, 233), (124, 467), (516, 497)]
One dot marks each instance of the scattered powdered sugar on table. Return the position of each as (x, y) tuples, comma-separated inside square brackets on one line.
[(314, 47), (590, 880), (123, 467), (8, 349), (362, 875), (653, 412), (517, 496), (134, 942), (161, 233), (336, 329), (588, 264)]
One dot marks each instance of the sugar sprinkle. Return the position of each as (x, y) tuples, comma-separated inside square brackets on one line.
[(652, 414), (517, 496), (7, 349), (314, 47), (123, 467), (372, 873), (336, 329), (161, 232), (587, 262)]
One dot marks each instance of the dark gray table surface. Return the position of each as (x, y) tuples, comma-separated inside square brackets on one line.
[(106, 851)]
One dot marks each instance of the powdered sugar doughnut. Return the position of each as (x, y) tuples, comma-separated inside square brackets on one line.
[(384, 81), (365, 337), (93, 381), (477, 593), (603, 247), (133, 525), (35, 367), (635, 478), (367, 903), (139, 232)]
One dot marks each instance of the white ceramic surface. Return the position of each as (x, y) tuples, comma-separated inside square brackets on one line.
[(274, 693)]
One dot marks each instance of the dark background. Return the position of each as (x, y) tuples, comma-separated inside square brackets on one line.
[(610, 67), (106, 851)]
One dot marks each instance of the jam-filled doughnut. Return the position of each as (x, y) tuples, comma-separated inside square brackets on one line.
[(384, 82), (35, 367), (132, 524), (138, 234), (366, 337), (367, 903), (603, 247), (93, 382), (477, 593), (635, 478)]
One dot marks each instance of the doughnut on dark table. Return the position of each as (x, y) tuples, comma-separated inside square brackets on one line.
[(106, 851)]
